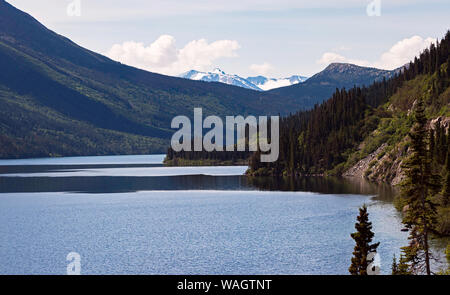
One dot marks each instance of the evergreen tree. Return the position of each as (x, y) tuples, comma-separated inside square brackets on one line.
[(400, 268), (417, 188), (446, 185), (318, 140), (363, 237), (394, 266)]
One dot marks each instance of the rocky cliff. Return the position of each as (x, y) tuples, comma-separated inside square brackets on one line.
[(384, 165)]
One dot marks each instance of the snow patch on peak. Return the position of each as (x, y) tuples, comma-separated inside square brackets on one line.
[(218, 71), (217, 75), (259, 83), (272, 83)]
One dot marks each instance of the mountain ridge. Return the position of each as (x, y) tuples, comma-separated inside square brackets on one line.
[(258, 83), (217, 75), (88, 104), (60, 99), (272, 83), (322, 85)]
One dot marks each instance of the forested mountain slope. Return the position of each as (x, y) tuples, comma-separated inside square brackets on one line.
[(332, 137), (322, 85), (57, 98), (366, 132), (354, 123)]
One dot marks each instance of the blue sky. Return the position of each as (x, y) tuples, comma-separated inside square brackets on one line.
[(275, 38)]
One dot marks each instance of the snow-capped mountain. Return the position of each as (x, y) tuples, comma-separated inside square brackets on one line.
[(259, 83), (217, 75), (270, 83)]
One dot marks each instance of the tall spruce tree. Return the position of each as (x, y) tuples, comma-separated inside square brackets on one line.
[(419, 185), (446, 185), (400, 268), (363, 237), (394, 266)]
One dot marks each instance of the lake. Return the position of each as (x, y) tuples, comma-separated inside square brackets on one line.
[(131, 215)]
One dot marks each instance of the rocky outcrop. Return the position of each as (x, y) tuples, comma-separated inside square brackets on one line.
[(388, 168), (385, 164), (442, 121), (358, 170), (382, 165)]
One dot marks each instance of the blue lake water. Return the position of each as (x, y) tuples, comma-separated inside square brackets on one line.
[(130, 215), (126, 159)]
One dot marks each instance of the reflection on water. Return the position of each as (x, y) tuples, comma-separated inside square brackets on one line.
[(131, 215), (105, 184), (119, 178), (154, 171), (120, 184), (325, 185)]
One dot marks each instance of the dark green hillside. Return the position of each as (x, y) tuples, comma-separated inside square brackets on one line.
[(312, 140), (307, 95), (354, 123), (322, 85), (57, 98), (372, 133)]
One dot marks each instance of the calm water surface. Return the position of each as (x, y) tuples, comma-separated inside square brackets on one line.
[(130, 215)]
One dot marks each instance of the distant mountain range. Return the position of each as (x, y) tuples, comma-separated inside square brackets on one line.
[(60, 99), (337, 75), (259, 83), (264, 83), (217, 75)]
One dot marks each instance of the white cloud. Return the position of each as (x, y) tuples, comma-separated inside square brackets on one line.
[(261, 69), (330, 57), (162, 56), (401, 53), (404, 51)]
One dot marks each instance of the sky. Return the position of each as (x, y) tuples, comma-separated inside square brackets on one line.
[(276, 38)]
